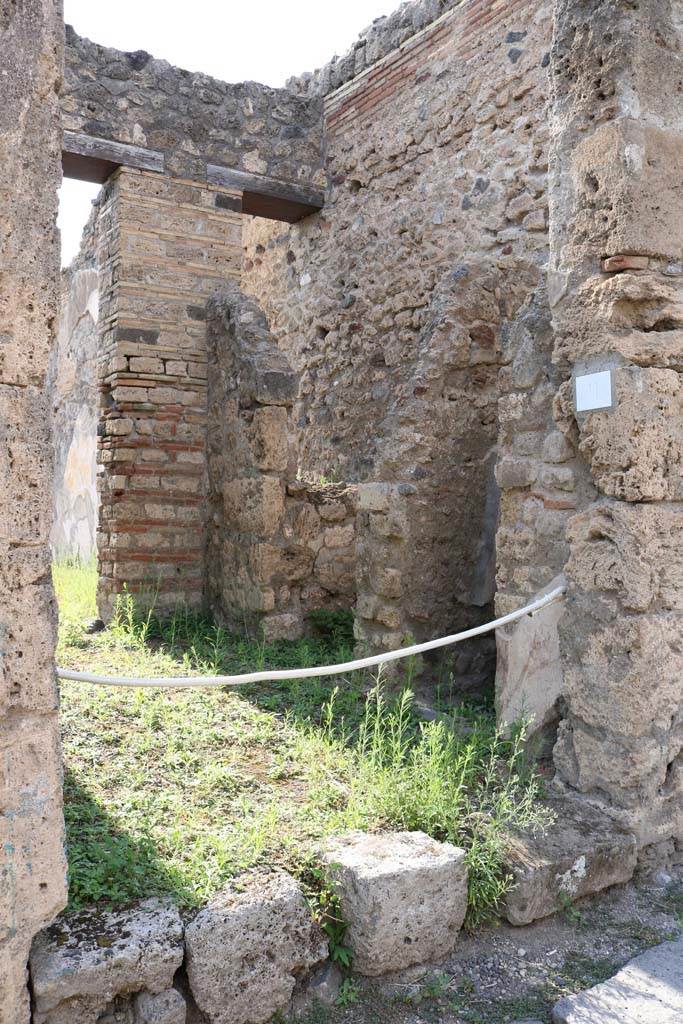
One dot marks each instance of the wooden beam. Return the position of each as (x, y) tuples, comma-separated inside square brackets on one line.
[(88, 158), (269, 197)]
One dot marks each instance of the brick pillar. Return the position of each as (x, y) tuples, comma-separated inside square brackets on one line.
[(164, 247)]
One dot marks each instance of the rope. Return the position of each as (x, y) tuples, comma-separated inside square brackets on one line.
[(321, 670)]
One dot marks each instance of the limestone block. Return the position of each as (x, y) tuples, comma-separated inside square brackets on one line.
[(376, 497), (626, 176), (636, 450), (529, 678), (268, 438), (387, 582), (254, 504), (403, 897), (648, 990), (305, 522), (85, 960), (339, 536), (333, 511), (335, 570), (581, 853), (622, 672), (633, 550), (165, 1008), (512, 471), (246, 949)]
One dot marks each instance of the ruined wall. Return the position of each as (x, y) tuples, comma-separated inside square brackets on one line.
[(277, 547), (163, 248), (72, 387), (33, 870), (192, 119), (616, 279), (394, 302)]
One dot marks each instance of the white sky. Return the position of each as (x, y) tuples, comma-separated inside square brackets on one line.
[(263, 40)]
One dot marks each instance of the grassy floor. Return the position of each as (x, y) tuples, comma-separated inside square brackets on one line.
[(175, 792)]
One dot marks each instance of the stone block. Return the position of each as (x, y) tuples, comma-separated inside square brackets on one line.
[(512, 471), (332, 511), (376, 497), (268, 438), (529, 678), (403, 897), (339, 536), (248, 947), (636, 450), (84, 960), (387, 582), (335, 570), (648, 990), (164, 1008), (581, 853), (632, 550), (254, 504)]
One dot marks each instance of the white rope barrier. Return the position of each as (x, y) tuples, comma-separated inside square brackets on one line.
[(321, 670)]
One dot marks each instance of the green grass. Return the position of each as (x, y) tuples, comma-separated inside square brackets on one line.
[(177, 791)]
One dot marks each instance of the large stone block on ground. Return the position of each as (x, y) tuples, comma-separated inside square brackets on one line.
[(403, 897), (246, 950), (648, 990), (83, 961), (581, 853)]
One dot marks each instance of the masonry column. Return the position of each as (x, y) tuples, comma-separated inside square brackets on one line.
[(32, 862), (616, 287), (164, 247)]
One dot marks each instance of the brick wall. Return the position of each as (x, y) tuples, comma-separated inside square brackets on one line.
[(164, 247)]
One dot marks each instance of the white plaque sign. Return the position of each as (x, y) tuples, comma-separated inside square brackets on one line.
[(593, 391)]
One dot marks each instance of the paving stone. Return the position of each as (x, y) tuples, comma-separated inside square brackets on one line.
[(581, 853), (648, 990), (403, 897)]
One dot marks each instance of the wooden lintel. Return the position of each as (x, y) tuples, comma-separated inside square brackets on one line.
[(269, 197), (88, 158)]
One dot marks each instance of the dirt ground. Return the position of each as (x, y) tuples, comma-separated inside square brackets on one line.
[(504, 974)]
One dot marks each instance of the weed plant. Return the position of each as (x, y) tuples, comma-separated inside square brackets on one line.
[(177, 791)]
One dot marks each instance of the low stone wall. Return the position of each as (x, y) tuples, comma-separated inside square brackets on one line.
[(277, 547), (257, 949)]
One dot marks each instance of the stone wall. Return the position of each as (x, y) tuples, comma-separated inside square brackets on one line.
[(277, 547), (33, 870), (163, 248), (72, 386), (191, 118), (616, 280), (395, 303)]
